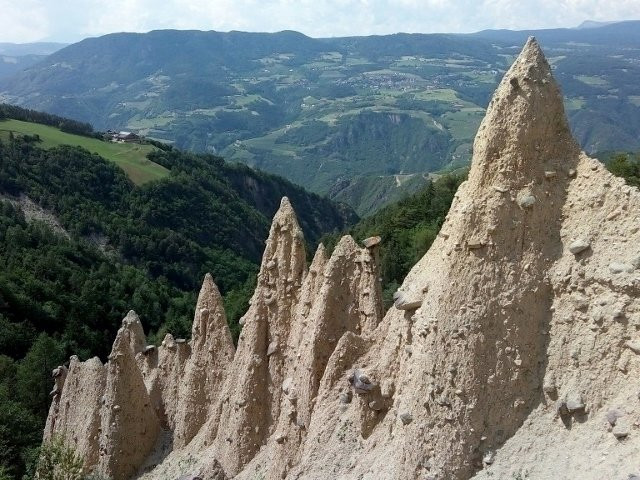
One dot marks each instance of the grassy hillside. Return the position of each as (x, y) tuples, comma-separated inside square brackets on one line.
[(131, 157)]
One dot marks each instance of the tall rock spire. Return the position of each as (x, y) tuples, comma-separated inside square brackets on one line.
[(522, 156), (502, 235), (525, 130), (341, 298), (471, 347), (129, 424), (349, 300), (211, 354), (75, 409), (252, 393)]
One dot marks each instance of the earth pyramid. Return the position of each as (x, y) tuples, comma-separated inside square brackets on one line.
[(512, 350)]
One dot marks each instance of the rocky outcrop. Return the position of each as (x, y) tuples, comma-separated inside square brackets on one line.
[(513, 344), (123, 416), (78, 398)]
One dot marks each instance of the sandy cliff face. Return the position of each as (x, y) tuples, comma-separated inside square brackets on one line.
[(513, 347)]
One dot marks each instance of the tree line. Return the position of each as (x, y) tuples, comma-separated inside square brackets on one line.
[(65, 124)]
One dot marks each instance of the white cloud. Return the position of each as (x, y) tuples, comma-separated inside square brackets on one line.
[(74, 19), (17, 25)]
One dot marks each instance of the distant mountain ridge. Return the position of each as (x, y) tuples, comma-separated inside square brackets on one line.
[(331, 114), (594, 24), (35, 48), (607, 33), (15, 57)]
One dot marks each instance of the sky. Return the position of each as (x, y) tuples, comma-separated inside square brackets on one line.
[(24, 21)]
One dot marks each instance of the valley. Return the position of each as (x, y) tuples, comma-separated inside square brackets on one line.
[(334, 115)]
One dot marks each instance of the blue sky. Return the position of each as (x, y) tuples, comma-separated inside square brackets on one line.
[(72, 20)]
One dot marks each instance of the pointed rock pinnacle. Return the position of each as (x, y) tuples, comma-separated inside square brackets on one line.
[(211, 353), (130, 334), (319, 259), (525, 125), (209, 312)]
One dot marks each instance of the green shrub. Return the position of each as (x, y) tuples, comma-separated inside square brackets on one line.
[(627, 167), (59, 461), (4, 474)]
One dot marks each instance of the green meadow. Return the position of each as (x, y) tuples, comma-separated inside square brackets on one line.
[(131, 157)]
